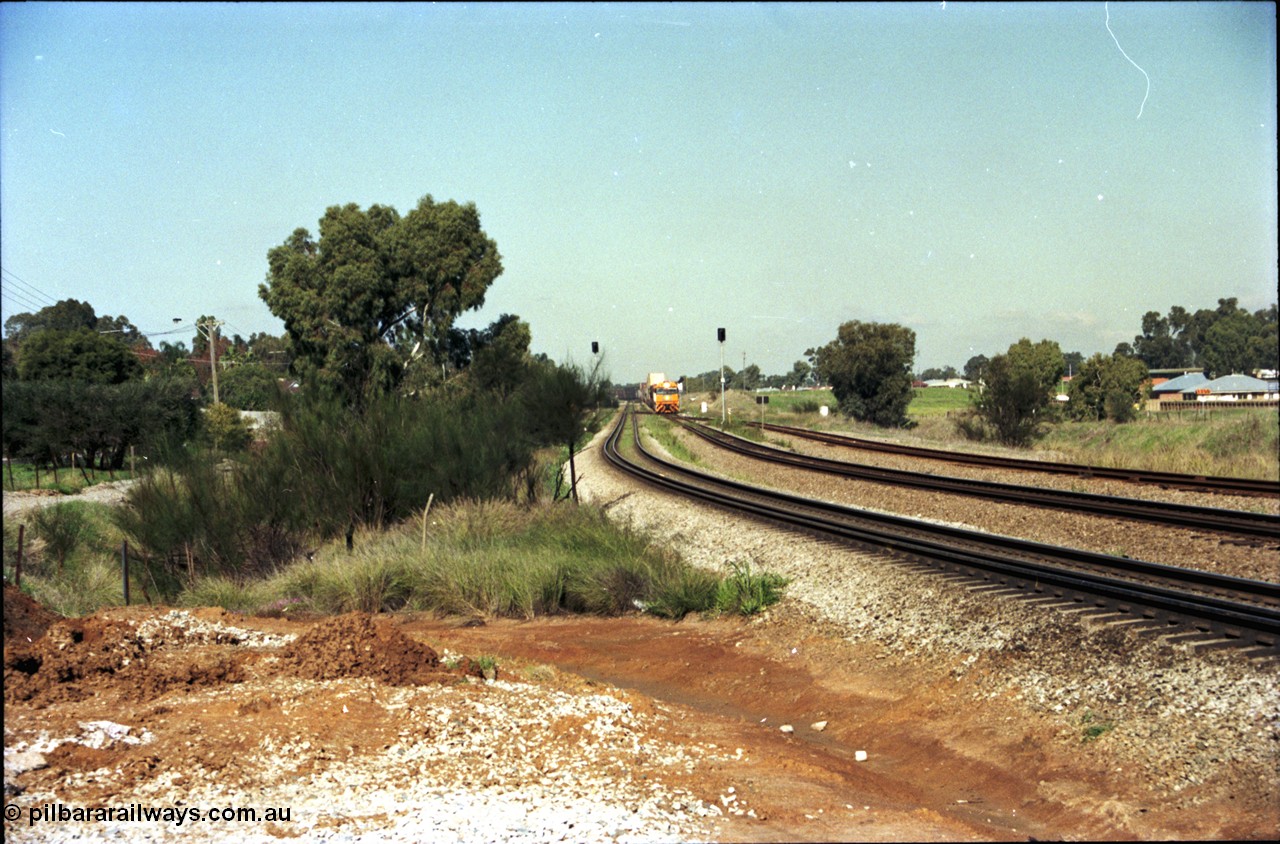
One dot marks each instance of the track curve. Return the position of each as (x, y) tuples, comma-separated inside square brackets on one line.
[(1261, 525), (1173, 480), (1221, 609)]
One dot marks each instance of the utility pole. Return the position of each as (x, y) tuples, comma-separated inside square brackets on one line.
[(210, 331)]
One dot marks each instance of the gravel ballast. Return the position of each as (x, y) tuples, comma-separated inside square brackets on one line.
[(1183, 717)]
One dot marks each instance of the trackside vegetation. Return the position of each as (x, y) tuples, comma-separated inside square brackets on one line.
[(494, 558), (488, 558)]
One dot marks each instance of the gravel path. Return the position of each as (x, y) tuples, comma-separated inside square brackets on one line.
[(1182, 717), (19, 503)]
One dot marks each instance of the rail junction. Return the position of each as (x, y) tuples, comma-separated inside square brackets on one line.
[(1261, 525), (1209, 609), (1171, 480)]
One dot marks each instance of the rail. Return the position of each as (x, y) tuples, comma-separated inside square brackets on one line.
[(1221, 609), (1209, 483), (1262, 525)]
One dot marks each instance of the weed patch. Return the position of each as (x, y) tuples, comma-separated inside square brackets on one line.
[(1092, 727)]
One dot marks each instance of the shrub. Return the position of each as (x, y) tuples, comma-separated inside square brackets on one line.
[(62, 527), (971, 426), (224, 592), (224, 429), (689, 591)]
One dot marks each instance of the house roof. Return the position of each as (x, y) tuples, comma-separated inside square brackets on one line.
[(1233, 384), (1183, 382)]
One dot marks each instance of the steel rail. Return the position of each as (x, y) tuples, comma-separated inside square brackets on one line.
[(1211, 483), (1180, 515), (1175, 609)]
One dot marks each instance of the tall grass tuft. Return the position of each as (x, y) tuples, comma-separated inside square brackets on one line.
[(745, 593), (79, 590), (691, 591), (498, 559), (226, 593)]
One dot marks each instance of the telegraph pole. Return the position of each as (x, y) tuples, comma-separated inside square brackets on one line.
[(210, 331)]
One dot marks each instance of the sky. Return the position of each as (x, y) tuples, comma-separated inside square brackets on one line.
[(651, 172)]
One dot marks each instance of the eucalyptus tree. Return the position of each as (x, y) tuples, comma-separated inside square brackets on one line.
[(378, 292)]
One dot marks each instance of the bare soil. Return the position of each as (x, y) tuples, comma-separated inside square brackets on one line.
[(211, 692)]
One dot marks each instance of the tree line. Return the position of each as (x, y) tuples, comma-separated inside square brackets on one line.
[(395, 405)]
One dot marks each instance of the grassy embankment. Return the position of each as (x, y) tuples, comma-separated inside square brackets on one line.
[(1224, 442), (500, 559), (474, 558)]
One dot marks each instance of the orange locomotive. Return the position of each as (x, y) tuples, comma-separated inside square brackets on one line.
[(663, 395)]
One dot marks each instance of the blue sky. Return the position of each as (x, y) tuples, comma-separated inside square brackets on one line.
[(977, 172)]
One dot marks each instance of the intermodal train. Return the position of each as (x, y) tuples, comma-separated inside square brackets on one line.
[(660, 394)]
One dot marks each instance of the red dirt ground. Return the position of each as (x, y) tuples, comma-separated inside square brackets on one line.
[(938, 766)]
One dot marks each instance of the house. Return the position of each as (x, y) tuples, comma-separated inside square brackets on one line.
[(1162, 376), (1171, 389), (1233, 388), (948, 382)]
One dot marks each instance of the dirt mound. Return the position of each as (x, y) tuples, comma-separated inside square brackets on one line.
[(78, 658), (24, 619), (359, 645), (68, 660)]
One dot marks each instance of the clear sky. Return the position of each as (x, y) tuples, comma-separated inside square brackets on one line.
[(976, 172)]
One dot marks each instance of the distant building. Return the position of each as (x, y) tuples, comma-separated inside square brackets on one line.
[(1171, 389), (1163, 376), (1233, 388), (946, 382)]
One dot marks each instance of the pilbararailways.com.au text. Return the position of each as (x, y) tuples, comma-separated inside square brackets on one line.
[(50, 813)]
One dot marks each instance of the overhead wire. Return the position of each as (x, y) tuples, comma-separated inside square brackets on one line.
[(14, 278), (17, 296)]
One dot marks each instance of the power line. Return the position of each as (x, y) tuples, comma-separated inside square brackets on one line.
[(16, 296), (19, 280), (19, 296)]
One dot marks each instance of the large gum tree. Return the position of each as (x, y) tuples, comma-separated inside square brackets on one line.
[(378, 292), (868, 366)]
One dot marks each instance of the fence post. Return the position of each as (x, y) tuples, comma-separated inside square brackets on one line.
[(425, 511), (124, 568), (17, 567)]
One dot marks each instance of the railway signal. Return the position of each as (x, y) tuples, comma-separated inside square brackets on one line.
[(720, 337)]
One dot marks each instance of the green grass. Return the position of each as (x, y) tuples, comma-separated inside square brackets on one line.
[(80, 589), (24, 476), (663, 431), (799, 401), (1238, 443), (496, 559), (801, 407), (71, 559), (938, 401), (1230, 443), (1093, 728)]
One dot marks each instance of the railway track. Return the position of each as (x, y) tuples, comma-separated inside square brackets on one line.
[(1260, 525), (1212, 609), (1170, 480)]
